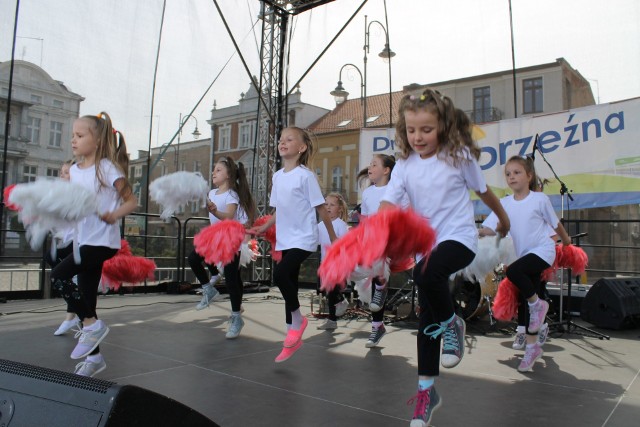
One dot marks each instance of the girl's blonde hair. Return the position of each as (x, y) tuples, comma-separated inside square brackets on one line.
[(111, 145), (342, 203), (238, 183), (454, 126), (306, 158)]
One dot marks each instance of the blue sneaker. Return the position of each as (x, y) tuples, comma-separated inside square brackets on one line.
[(235, 326), (453, 343), (427, 401), (209, 294)]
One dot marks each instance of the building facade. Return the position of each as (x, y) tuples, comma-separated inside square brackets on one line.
[(540, 89), (42, 114)]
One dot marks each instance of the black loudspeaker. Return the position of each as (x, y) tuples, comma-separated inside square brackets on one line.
[(35, 396), (613, 303)]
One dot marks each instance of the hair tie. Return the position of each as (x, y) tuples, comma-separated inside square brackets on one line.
[(423, 98), (100, 116)]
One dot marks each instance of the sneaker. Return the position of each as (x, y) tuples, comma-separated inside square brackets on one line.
[(519, 341), (427, 401), (66, 326), (375, 336), (453, 343), (532, 354), (341, 307), (295, 335), (378, 299), (89, 340), (543, 333), (235, 326), (209, 294), (328, 325), (89, 369), (214, 279), (287, 352), (537, 313)]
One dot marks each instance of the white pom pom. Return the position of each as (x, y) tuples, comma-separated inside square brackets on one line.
[(178, 189)]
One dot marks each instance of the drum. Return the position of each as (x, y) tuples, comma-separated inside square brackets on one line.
[(473, 299)]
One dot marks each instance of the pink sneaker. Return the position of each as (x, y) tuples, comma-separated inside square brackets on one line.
[(295, 335), (531, 354), (287, 352), (537, 314)]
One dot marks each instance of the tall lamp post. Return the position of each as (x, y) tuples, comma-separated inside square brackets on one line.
[(340, 95), (386, 55), (196, 134)]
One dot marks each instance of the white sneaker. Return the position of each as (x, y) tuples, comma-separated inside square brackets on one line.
[(341, 307), (209, 294), (67, 325), (235, 326), (89, 369), (519, 342)]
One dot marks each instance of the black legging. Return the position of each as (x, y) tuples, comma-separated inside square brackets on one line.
[(434, 296), (84, 300), (525, 274), (234, 283), (285, 274), (196, 262), (61, 253)]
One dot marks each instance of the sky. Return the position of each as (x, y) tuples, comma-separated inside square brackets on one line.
[(106, 50)]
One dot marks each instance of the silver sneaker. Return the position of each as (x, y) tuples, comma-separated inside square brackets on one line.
[(89, 339), (89, 369), (209, 294), (235, 326), (67, 325), (519, 341)]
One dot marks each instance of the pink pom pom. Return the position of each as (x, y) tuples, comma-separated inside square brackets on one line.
[(127, 269), (220, 242), (573, 257), (402, 265), (505, 304), (7, 192)]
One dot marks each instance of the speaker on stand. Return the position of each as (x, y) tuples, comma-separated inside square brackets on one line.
[(35, 396)]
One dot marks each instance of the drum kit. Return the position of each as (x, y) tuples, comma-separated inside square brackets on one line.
[(474, 299)]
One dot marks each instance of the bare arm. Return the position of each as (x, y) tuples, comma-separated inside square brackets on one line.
[(129, 202), (324, 217), (264, 227), (560, 231), (230, 214), (486, 231), (490, 199)]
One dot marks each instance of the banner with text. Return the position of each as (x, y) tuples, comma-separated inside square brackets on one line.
[(594, 150)]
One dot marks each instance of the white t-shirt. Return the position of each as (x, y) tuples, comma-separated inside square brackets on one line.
[(295, 195), (439, 192), (93, 231), (371, 198), (222, 200), (339, 227), (530, 220)]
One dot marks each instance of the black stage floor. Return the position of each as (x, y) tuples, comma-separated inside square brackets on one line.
[(161, 343)]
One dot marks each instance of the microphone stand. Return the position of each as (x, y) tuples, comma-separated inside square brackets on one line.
[(571, 327)]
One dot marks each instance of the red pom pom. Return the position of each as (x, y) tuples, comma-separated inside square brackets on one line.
[(270, 236), (219, 242), (7, 192), (127, 269), (401, 265), (505, 304), (573, 257), (125, 249), (396, 234)]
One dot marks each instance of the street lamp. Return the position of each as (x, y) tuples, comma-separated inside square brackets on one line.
[(340, 95), (196, 133), (386, 55)]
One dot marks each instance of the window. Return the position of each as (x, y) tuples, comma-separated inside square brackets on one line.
[(245, 135), (5, 91), (137, 171), (344, 123), (53, 172), (36, 99), (225, 138), (163, 170), (482, 104), (183, 166), (33, 130), (29, 173), (372, 119), (197, 167), (355, 179), (55, 135), (194, 207), (336, 179), (318, 172), (532, 90), (58, 104)]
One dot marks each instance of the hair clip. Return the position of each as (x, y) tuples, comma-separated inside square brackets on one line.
[(100, 116), (412, 97), (423, 98)]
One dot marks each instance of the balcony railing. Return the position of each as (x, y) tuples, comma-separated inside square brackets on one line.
[(485, 115)]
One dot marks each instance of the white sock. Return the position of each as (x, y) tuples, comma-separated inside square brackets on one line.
[(296, 319), (95, 358), (376, 324), (531, 304), (520, 329), (236, 313)]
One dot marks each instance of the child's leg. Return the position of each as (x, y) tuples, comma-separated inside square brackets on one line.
[(332, 300), (285, 274), (234, 283), (525, 274), (196, 262)]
